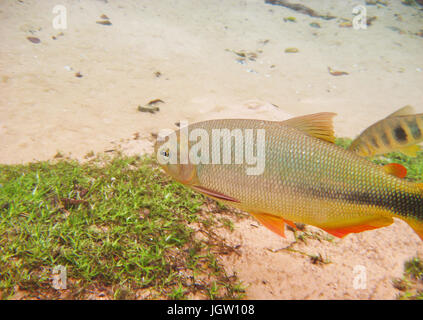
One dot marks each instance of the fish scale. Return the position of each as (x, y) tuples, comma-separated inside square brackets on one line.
[(293, 176), (308, 180)]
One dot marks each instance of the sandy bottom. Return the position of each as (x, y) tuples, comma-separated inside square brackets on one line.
[(80, 91), (359, 266)]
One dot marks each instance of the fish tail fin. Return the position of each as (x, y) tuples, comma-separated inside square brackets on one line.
[(416, 223)]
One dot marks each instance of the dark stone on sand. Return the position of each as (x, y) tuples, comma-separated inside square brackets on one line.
[(34, 39), (104, 23), (150, 109), (299, 8)]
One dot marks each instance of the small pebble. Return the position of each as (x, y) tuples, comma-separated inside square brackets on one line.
[(337, 73), (290, 19), (346, 24), (291, 50), (148, 109), (155, 101), (104, 23), (314, 25), (151, 106)]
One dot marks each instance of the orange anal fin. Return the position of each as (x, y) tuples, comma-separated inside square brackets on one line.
[(291, 224), (341, 232), (395, 169), (272, 222)]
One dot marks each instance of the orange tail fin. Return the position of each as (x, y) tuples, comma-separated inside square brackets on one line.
[(416, 223), (417, 227)]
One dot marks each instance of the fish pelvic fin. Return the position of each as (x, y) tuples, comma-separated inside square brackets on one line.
[(342, 231), (395, 169), (410, 151), (318, 125), (272, 222)]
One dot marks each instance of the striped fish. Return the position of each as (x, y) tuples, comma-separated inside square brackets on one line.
[(306, 178), (400, 131)]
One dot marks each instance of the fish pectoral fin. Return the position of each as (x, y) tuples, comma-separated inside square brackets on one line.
[(272, 222), (404, 111), (395, 169), (214, 194), (410, 151), (318, 125), (341, 232)]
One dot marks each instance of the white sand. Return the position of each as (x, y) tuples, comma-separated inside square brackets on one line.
[(44, 108)]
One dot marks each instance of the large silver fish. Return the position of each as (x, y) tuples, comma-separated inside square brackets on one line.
[(306, 178)]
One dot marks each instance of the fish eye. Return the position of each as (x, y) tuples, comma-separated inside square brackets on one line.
[(165, 153)]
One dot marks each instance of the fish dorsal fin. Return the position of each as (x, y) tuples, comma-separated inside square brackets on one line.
[(404, 111), (318, 125), (395, 169)]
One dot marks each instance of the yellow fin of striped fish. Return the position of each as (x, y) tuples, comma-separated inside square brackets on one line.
[(404, 111), (410, 151), (318, 125)]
